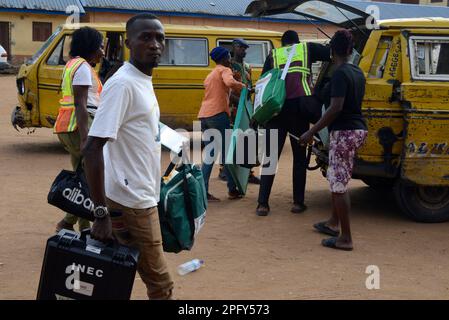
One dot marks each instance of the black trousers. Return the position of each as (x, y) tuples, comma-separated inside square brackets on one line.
[(289, 120)]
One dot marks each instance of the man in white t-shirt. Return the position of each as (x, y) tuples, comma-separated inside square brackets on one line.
[(123, 156)]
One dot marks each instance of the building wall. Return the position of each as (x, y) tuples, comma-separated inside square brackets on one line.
[(434, 2), (21, 33), (306, 31)]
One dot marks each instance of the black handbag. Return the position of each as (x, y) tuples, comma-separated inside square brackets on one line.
[(70, 193)]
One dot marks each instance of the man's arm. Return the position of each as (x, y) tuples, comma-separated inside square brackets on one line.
[(80, 94), (94, 169), (230, 82)]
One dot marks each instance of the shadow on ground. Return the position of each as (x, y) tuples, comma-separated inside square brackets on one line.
[(33, 148)]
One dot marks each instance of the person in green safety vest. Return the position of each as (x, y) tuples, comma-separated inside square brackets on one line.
[(291, 119)]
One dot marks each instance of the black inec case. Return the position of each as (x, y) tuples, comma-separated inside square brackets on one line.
[(77, 267)]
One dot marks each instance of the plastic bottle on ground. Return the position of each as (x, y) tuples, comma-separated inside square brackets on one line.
[(190, 266)]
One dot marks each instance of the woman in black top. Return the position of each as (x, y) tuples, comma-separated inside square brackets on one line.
[(348, 132)]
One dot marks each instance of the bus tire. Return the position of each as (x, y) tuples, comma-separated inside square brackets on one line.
[(428, 204)]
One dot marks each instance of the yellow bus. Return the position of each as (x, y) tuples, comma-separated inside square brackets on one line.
[(178, 81)]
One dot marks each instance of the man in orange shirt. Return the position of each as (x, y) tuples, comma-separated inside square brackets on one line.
[(242, 72), (215, 114)]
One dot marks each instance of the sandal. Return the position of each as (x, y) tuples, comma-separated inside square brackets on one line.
[(322, 228), (332, 243), (211, 198), (234, 194), (262, 211)]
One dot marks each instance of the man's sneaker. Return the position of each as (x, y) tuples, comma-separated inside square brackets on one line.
[(298, 208), (234, 194), (211, 198), (253, 179)]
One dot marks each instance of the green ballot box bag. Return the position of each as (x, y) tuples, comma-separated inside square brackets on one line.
[(270, 92), (182, 207)]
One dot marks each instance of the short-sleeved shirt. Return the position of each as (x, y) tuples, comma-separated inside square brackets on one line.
[(348, 81), (128, 116), (83, 77)]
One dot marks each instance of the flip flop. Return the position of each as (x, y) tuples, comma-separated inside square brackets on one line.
[(322, 228), (332, 243)]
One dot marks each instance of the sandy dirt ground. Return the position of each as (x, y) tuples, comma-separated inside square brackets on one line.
[(246, 257)]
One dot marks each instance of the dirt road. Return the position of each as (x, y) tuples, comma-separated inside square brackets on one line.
[(247, 257)]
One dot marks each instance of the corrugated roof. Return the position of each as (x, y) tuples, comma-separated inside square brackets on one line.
[(231, 8), (236, 8), (216, 7), (43, 5), (398, 10)]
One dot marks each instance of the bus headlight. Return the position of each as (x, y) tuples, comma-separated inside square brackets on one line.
[(21, 86)]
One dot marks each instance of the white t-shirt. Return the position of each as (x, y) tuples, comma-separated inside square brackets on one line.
[(83, 77), (129, 116)]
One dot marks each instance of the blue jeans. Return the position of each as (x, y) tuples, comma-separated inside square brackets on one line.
[(219, 122)]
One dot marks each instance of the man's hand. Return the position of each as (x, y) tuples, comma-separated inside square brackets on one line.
[(102, 230), (306, 138)]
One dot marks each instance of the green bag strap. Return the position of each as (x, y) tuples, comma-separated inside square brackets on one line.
[(188, 204)]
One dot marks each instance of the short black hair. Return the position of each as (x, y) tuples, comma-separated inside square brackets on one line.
[(290, 37), (141, 16), (85, 42), (342, 43)]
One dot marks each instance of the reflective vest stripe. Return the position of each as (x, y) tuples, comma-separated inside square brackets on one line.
[(280, 57), (66, 121), (299, 69), (304, 76)]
